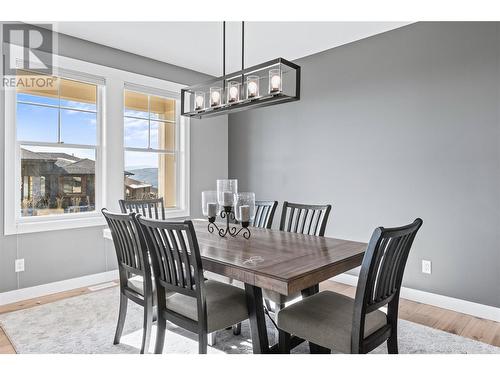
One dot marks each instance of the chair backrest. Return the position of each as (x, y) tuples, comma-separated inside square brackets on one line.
[(305, 218), (175, 255), (264, 214), (152, 208), (382, 271), (129, 244)]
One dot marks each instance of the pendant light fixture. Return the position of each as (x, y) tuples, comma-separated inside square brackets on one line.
[(273, 82)]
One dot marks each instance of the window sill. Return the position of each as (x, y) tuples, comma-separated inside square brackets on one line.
[(56, 223)]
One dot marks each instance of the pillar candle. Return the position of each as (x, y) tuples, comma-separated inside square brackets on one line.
[(212, 209), (245, 213), (227, 198)]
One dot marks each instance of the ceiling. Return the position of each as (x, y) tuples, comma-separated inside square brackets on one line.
[(198, 45)]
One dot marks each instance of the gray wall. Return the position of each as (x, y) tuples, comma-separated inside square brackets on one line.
[(396, 126), (58, 255)]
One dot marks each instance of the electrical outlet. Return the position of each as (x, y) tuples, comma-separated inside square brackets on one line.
[(426, 266), (19, 265)]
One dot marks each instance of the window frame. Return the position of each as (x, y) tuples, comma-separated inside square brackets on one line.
[(180, 128), (110, 140)]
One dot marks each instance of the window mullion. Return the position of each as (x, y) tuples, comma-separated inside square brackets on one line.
[(149, 121), (59, 111)]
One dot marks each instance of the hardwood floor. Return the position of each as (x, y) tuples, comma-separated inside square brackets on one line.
[(483, 330)]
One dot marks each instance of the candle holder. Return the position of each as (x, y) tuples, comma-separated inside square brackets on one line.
[(228, 214)]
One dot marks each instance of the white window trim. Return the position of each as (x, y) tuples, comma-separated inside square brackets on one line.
[(110, 138)]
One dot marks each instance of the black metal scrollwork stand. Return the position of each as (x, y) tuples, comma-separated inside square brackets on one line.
[(228, 214)]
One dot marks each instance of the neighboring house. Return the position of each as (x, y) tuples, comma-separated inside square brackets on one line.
[(135, 189), (55, 183)]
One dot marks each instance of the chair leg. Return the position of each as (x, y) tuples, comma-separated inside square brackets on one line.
[(202, 342), (284, 342), (318, 349), (147, 324), (237, 329), (161, 327), (392, 342), (212, 338), (121, 318), (392, 319)]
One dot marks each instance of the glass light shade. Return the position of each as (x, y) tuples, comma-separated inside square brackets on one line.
[(252, 87), (226, 192), (233, 92), (208, 197), (199, 100), (215, 96), (275, 81), (244, 209)]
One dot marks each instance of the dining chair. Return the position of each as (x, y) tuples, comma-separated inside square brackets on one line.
[(153, 208), (264, 214), (337, 322), (134, 270), (298, 218), (305, 218), (198, 305)]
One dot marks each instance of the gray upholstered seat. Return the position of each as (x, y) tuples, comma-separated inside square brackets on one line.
[(326, 319), (136, 283), (226, 305)]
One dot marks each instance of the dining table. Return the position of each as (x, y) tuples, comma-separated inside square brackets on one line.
[(283, 262)]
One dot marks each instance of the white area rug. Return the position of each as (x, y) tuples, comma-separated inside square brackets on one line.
[(86, 324)]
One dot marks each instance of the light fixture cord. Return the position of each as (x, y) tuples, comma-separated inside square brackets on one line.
[(242, 52), (224, 48)]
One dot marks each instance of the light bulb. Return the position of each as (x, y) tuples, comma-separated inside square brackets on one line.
[(275, 83), (233, 93), (252, 88), (215, 97), (199, 102)]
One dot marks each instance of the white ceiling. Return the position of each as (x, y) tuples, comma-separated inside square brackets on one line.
[(198, 45)]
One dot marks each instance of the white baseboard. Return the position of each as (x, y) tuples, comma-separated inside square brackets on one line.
[(445, 302), (56, 287)]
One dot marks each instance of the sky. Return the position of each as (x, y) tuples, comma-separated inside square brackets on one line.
[(36, 123)]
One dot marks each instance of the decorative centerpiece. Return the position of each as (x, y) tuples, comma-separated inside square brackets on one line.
[(230, 205)]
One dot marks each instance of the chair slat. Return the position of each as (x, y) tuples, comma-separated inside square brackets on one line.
[(306, 219), (152, 208)]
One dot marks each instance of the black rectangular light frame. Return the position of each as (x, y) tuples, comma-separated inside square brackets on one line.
[(262, 101)]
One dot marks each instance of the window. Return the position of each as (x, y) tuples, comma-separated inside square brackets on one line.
[(63, 161), (151, 147), (57, 137)]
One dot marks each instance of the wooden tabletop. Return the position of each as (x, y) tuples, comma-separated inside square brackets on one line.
[(281, 261)]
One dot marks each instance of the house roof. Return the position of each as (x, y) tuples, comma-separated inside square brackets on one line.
[(83, 166), (135, 184), (69, 164)]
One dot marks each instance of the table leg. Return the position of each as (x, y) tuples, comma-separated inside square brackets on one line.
[(257, 318), (314, 348)]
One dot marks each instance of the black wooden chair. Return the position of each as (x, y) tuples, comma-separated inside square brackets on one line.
[(264, 214), (153, 208), (134, 269), (198, 305), (304, 219), (347, 325)]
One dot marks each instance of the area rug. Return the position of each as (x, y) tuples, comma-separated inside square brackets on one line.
[(86, 324)]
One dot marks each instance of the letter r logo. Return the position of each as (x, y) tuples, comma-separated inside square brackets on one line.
[(37, 48)]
